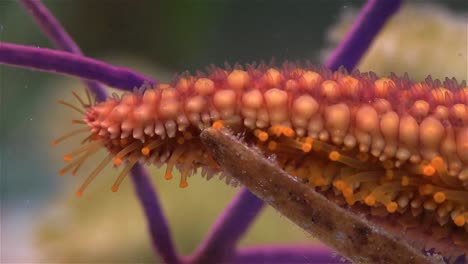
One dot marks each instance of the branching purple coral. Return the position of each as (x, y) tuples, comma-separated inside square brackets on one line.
[(70, 64), (370, 21), (245, 206), (157, 223), (276, 254), (52, 28), (220, 243)]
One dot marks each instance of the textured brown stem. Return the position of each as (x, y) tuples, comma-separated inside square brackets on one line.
[(348, 233)]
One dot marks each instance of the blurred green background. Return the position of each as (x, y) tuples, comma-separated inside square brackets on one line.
[(41, 219)]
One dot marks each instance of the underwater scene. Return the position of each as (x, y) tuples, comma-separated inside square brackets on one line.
[(233, 131)]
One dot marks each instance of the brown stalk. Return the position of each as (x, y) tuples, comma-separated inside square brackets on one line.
[(351, 235)]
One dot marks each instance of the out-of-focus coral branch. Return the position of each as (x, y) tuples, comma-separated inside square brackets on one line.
[(66, 63), (370, 21), (52, 28), (278, 254), (220, 244), (349, 234), (157, 223)]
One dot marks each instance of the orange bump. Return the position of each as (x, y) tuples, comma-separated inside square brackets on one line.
[(391, 207), (168, 175), (61, 172), (272, 145), (306, 147), (350, 200), (183, 84), (79, 193), (237, 79), (145, 151), (370, 200), (383, 86), (261, 135), (428, 170), (351, 84), (334, 155), (218, 124), (276, 130), (347, 192), (437, 162), (309, 79), (459, 220), (330, 89), (288, 132), (340, 184), (204, 86), (67, 158), (272, 77), (183, 184), (290, 85), (54, 143), (117, 161), (439, 197), (115, 188)]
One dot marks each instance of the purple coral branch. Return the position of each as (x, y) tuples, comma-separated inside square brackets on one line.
[(370, 21), (278, 254), (220, 243), (157, 223), (66, 63), (52, 28)]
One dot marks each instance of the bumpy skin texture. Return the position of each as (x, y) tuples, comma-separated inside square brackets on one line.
[(396, 147)]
